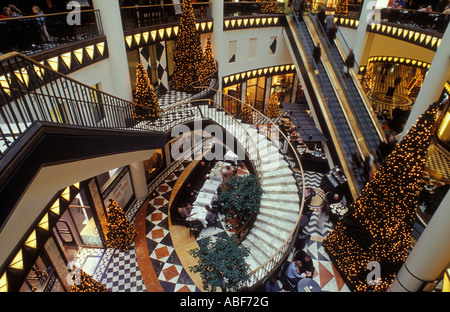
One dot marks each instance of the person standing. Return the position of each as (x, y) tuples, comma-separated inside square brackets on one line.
[(349, 63), (317, 52), (41, 22)]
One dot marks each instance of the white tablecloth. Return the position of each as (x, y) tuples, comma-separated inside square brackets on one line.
[(203, 199), (211, 186), (198, 213)]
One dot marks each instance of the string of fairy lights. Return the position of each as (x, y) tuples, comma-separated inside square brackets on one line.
[(378, 225)]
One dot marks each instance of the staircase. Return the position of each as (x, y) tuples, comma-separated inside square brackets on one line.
[(280, 204)]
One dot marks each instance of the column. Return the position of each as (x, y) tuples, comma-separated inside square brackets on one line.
[(137, 171), (112, 28), (430, 256), (359, 42), (433, 84), (217, 38)]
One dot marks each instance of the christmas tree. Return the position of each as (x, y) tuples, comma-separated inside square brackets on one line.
[(378, 225), (273, 108), (269, 7), (83, 282), (120, 233), (210, 63), (342, 7), (188, 55), (246, 112), (145, 100)]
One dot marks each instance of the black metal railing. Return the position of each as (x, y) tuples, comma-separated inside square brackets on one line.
[(30, 92), (138, 16), (253, 7), (32, 34)]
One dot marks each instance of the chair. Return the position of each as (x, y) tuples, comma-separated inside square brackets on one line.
[(195, 228)]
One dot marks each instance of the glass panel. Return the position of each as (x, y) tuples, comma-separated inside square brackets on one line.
[(83, 219), (41, 277)]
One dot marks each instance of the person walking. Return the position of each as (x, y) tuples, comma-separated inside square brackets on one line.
[(317, 52), (349, 63)]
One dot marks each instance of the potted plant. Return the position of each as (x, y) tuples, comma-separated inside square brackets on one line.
[(221, 263), (240, 199)]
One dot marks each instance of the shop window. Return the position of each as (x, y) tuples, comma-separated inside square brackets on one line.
[(133, 60), (42, 277), (120, 189), (154, 165), (230, 104), (255, 92), (77, 227), (443, 132), (282, 85)]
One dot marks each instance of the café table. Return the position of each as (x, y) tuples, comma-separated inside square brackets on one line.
[(203, 199), (198, 213), (308, 285), (211, 186)]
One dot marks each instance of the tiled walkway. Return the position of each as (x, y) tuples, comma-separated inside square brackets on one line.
[(153, 264)]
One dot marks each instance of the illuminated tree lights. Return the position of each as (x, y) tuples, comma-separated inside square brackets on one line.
[(246, 112), (269, 7), (273, 107), (145, 100), (83, 282), (188, 55), (120, 233), (378, 225), (210, 63)]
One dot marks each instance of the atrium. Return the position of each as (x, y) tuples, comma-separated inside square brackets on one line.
[(235, 146)]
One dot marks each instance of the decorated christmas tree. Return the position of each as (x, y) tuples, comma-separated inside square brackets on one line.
[(145, 100), (120, 233), (342, 7), (246, 112), (378, 225), (210, 62), (273, 107), (83, 282), (188, 55), (269, 7)]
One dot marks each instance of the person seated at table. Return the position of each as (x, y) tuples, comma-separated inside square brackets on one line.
[(295, 272), (228, 172), (308, 265), (185, 211), (211, 215), (272, 285)]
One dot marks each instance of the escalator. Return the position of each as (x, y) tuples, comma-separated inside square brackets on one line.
[(333, 115), (367, 122)]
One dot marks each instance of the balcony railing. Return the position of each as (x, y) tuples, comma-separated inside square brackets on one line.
[(32, 34), (148, 15)]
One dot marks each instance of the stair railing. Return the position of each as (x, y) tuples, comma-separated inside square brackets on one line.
[(278, 139)]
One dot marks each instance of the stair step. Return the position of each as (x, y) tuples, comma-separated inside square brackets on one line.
[(280, 189), (289, 218), (278, 225)]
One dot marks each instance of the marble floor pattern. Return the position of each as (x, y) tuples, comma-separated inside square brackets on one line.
[(122, 273)]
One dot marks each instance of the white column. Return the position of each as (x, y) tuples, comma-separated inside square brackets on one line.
[(112, 28), (431, 254), (434, 82), (359, 42), (137, 171), (217, 37)]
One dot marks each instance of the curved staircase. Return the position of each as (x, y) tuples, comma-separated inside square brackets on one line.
[(280, 204)]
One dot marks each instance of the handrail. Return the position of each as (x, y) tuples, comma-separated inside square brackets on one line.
[(35, 33), (337, 70), (325, 94), (31, 91), (258, 273)]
